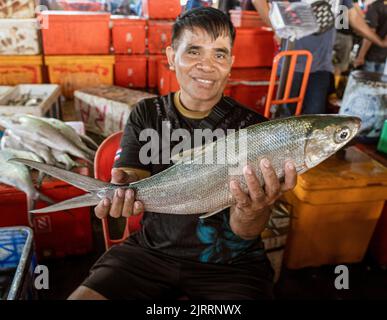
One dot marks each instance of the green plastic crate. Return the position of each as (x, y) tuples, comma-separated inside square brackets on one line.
[(382, 145)]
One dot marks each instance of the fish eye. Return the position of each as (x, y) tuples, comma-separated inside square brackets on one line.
[(342, 135)]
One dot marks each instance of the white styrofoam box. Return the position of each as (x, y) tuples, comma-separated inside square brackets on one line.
[(19, 37), (4, 90), (78, 126), (18, 9), (105, 109), (49, 93)]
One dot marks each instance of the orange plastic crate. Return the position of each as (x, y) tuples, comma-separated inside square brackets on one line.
[(378, 245), (128, 35), (254, 47), (159, 36), (77, 72), (336, 206), (249, 86), (20, 69), (153, 61), (76, 33), (167, 81), (130, 71), (165, 9), (56, 234)]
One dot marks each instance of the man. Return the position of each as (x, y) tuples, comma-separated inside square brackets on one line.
[(220, 257), (372, 56), (321, 47)]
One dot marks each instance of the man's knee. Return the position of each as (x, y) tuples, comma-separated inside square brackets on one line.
[(85, 293)]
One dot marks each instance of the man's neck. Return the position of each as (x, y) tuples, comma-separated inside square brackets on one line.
[(194, 105)]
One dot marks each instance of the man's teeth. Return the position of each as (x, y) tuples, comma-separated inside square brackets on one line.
[(205, 81)]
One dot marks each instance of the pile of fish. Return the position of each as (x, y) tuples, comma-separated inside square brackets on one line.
[(44, 140), (26, 99)]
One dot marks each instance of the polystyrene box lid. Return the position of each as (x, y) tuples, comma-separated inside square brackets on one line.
[(21, 60), (70, 60), (340, 175), (84, 16)]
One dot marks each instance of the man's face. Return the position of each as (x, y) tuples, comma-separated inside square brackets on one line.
[(202, 65)]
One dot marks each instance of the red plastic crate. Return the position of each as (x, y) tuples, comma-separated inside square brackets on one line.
[(165, 9), (56, 234), (153, 61), (378, 244), (253, 47), (249, 86), (130, 71), (159, 36), (167, 81), (76, 33), (128, 35)]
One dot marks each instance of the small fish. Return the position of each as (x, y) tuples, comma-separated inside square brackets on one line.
[(69, 133), (192, 186), (40, 131)]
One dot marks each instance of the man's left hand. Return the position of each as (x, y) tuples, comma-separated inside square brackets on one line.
[(248, 217)]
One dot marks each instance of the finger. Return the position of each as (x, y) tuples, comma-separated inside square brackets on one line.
[(255, 190), (242, 199), (272, 184), (102, 209), (290, 177), (138, 208), (127, 209), (117, 203)]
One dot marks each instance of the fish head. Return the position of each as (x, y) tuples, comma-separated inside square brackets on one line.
[(328, 134)]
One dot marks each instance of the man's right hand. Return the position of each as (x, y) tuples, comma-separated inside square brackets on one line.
[(123, 203)]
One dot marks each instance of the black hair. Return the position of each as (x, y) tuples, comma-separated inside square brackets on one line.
[(215, 22)]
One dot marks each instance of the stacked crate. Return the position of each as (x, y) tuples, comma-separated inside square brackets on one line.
[(139, 44), (254, 50), (161, 16), (77, 49), (20, 59), (129, 45)]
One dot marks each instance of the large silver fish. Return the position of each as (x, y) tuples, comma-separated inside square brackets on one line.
[(193, 186)]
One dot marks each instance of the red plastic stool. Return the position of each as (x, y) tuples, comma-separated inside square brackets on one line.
[(103, 164)]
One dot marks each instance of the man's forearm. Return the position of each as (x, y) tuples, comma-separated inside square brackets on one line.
[(365, 46), (263, 9), (358, 23), (248, 229)]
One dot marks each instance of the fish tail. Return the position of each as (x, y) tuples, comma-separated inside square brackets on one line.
[(85, 200), (82, 182)]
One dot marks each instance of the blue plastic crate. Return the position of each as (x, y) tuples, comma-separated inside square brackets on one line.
[(12, 243), (16, 252)]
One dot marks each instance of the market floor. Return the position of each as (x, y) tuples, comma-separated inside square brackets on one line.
[(367, 280)]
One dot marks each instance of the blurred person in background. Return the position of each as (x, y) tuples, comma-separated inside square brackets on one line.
[(321, 47), (372, 56)]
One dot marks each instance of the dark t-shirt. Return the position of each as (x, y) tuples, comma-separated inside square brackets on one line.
[(377, 18), (206, 240)]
